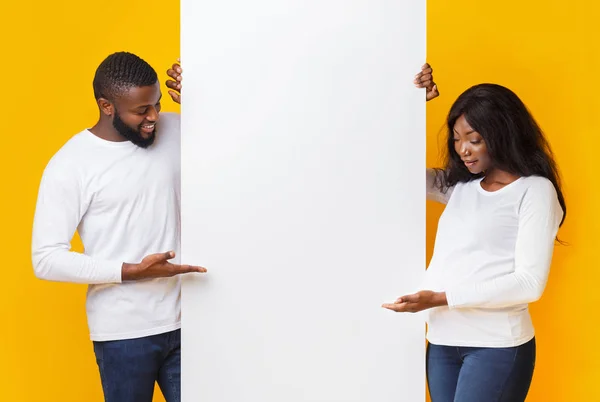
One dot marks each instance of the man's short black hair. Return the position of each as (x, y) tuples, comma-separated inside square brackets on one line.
[(120, 72)]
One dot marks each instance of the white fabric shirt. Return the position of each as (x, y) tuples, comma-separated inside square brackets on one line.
[(492, 257), (125, 203)]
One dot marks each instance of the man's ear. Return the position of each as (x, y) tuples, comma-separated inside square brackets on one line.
[(106, 106)]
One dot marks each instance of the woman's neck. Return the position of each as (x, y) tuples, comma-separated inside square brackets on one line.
[(495, 179)]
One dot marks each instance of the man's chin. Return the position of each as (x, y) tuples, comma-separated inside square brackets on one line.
[(147, 141), (145, 134), (143, 140)]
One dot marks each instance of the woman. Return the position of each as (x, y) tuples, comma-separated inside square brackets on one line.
[(493, 248)]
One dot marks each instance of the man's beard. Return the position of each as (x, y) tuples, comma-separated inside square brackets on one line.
[(132, 135)]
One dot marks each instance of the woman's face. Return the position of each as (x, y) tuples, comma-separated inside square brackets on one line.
[(470, 146)]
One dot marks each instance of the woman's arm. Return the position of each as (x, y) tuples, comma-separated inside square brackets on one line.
[(540, 215)]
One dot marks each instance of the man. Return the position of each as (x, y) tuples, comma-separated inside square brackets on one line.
[(118, 184)]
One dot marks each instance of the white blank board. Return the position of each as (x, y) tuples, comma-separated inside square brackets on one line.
[(303, 162)]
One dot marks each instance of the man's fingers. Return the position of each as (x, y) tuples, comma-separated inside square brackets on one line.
[(172, 73), (158, 258), (161, 257), (184, 269), (173, 85), (175, 96), (191, 268), (175, 73)]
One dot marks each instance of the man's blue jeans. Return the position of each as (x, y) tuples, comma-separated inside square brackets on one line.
[(469, 374), (130, 368)]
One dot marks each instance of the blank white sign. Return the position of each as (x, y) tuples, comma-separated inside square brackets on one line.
[(303, 162)]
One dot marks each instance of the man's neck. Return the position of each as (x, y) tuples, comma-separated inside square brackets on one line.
[(105, 130)]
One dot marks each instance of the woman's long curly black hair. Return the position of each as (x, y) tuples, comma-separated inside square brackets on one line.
[(514, 140)]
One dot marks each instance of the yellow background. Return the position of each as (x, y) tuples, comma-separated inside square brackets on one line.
[(50, 53), (547, 51)]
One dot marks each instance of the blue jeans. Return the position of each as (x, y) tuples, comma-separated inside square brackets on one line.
[(129, 368), (469, 374)]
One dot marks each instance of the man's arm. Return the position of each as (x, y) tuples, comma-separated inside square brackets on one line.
[(60, 208)]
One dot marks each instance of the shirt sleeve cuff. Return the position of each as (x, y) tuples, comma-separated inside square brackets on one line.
[(453, 299), (112, 270)]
